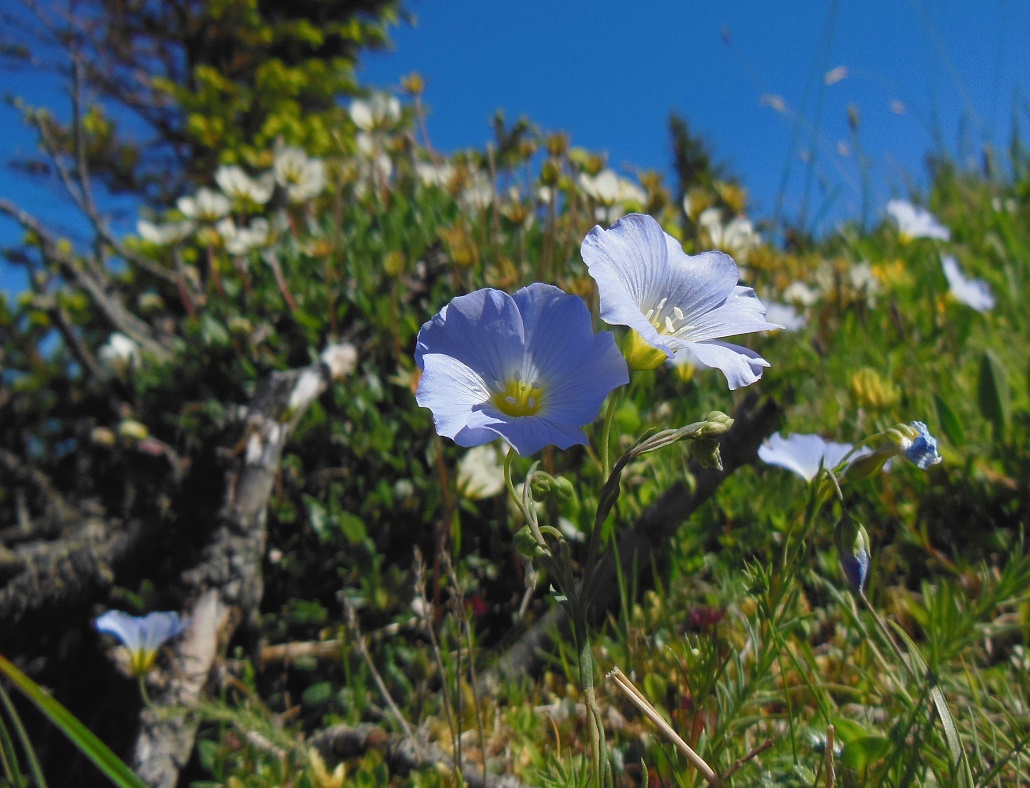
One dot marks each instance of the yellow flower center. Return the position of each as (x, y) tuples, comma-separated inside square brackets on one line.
[(518, 398)]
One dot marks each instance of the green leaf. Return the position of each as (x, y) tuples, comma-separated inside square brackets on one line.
[(318, 694), (848, 730), (308, 320), (213, 332), (863, 752), (993, 393), (79, 735), (318, 518), (353, 527), (919, 667), (949, 422)]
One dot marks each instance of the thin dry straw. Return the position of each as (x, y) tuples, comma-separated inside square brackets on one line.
[(637, 699)]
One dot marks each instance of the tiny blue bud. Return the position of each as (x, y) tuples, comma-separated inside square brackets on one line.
[(853, 551), (923, 449)]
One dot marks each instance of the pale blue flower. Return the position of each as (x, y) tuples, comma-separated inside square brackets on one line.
[(921, 447), (916, 222), (527, 368), (805, 455), (974, 293), (142, 636), (674, 300)]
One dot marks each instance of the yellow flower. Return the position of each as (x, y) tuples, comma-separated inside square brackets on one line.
[(320, 774)]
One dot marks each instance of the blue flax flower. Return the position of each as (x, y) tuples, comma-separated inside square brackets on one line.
[(526, 367), (920, 446), (803, 454), (673, 300), (142, 636)]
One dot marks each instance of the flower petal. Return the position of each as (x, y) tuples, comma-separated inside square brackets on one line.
[(483, 330), (974, 293), (122, 626), (630, 264), (526, 434), (160, 627), (802, 454), (451, 389), (740, 313), (741, 366)]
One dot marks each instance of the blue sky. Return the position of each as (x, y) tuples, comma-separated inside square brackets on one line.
[(923, 75), (610, 77)]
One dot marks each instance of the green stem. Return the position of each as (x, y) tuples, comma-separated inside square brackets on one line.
[(602, 774), (143, 692), (606, 432)]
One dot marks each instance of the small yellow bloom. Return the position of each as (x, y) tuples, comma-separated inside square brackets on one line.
[(872, 391)]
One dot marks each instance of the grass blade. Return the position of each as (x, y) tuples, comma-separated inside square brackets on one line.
[(79, 735)]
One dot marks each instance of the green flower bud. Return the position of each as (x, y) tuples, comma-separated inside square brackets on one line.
[(706, 452), (528, 546), (716, 423), (544, 484)]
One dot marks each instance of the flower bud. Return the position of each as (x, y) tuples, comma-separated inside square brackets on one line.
[(865, 466), (853, 551), (716, 423), (543, 484), (413, 84), (527, 545), (922, 448), (706, 452)]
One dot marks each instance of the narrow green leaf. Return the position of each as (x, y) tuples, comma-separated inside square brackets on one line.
[(79, 735), (863, 752), (995, 400), (12, 770), (950, 424), (958, 755)]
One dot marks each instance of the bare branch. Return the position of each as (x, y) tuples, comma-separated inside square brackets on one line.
[(227, 582), (120, 318)]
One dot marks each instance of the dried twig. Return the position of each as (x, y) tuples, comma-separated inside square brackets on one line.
[(638, 699)]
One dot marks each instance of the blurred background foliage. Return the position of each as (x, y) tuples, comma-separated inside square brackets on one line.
[(747, 635)]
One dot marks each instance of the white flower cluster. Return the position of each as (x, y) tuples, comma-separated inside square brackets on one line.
[(300, 178)]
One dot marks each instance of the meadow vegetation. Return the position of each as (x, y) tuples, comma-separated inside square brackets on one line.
[(216, 415)]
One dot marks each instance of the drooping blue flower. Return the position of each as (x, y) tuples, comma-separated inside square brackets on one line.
[(803, 454), (527, 368), (674, 300), (142, 636), (921, 448)]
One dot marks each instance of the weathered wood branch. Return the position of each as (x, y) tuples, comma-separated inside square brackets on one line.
[(644, 546), (226, 584)]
